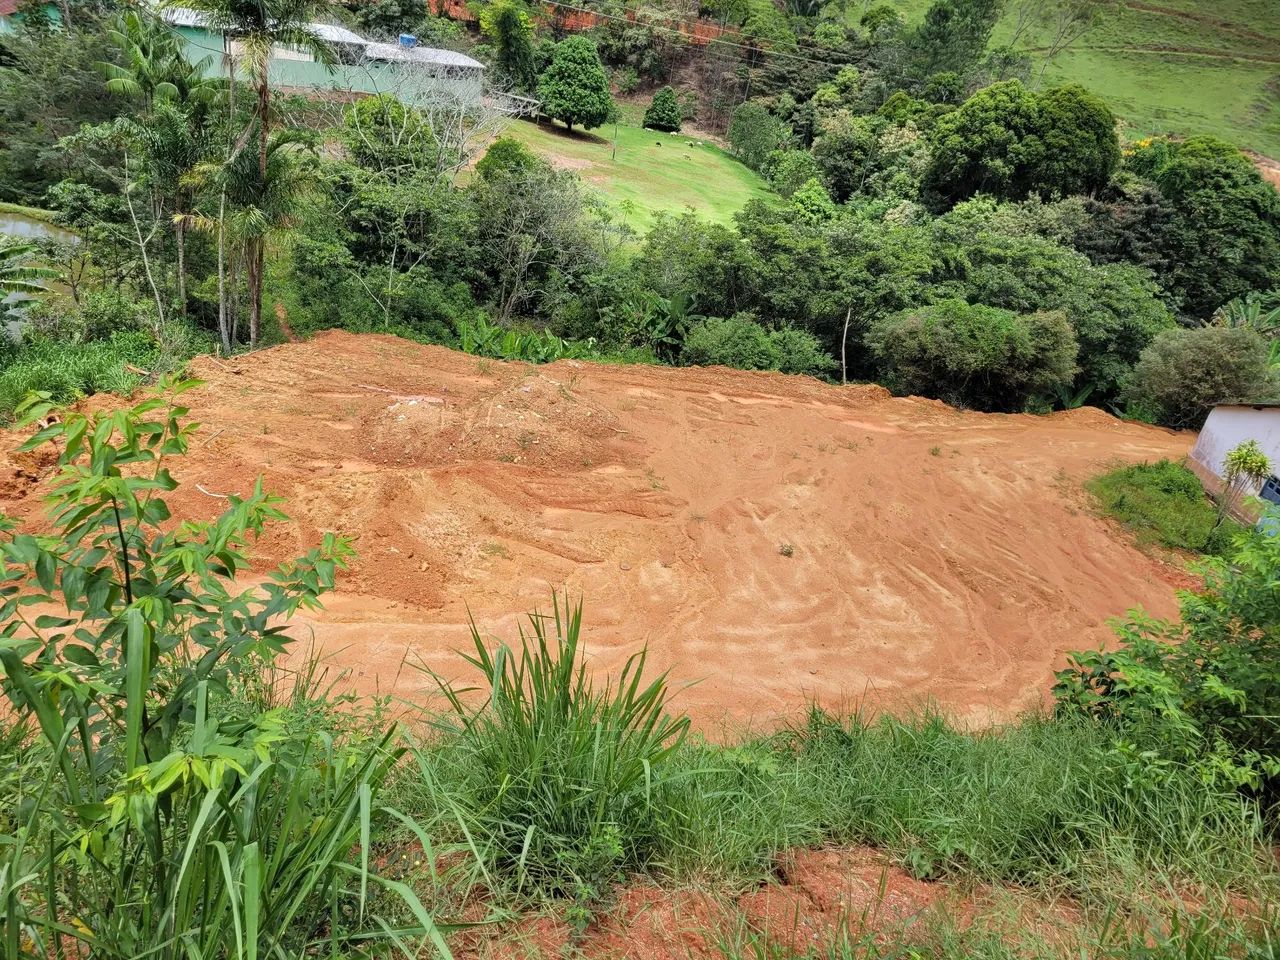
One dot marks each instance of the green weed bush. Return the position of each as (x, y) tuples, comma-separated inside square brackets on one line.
[(1184, 373), (975, 356), (329, 289), (1202, 691), (161, 818), (664, 112), (558, 779), (800, 352), (737, 341), (1163, 503)]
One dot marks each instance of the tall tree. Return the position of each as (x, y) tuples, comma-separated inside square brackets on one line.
[(510, 29), (1224, 237), (48, 90), (1011, 143), (178, 99), (250, 207), (152, 66), (259, 26), (664, 112), (952, 37), (574, 87)]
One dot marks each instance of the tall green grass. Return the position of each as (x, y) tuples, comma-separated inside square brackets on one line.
[(68, 371), (1163, 503), (557, 779), (557, 787), (1043, 801)]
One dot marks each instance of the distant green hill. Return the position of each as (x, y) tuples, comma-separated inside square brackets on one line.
[(650, 172), (1176, 66)]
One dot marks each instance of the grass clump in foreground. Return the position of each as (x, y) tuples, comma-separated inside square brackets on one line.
[(558, 787), (557, 778), (1163, 503)]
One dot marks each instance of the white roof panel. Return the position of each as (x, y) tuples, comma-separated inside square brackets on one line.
[(430, 55), (336, 34), (186, 17)]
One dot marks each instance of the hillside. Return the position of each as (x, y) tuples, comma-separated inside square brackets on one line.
[(649, 172), (770, 537), (1179, 66)]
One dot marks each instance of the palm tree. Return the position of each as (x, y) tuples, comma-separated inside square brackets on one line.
[(177, 98), (153, 67), (251, 208), (260, 26), (17, 275)]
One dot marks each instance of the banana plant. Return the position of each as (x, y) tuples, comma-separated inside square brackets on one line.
[(17, 273)]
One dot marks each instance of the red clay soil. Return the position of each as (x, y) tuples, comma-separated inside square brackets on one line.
[(819, 898), (1270, 169), (771, 538)]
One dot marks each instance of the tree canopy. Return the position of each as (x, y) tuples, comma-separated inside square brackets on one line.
[(1011, 143), (664, 112), (574, 87)]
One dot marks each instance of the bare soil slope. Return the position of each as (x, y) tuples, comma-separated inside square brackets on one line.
[(770, 537)]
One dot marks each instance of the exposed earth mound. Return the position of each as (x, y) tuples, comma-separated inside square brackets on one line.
[(772, 538)]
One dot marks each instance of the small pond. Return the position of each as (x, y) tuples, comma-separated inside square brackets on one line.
[(29, 228)]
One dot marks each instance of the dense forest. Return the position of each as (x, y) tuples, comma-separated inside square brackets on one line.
[(942, 223)]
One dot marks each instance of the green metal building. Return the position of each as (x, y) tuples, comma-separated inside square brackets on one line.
[(362, 66)]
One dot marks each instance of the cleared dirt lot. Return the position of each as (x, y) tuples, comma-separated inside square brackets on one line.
[(772, 539)]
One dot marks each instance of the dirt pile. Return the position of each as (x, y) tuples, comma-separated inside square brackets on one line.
[(769, 537)]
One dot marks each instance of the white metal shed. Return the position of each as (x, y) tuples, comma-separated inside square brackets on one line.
[(1229, 425)]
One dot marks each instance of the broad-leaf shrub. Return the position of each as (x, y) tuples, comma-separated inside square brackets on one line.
[(975, 356), (664, 112), (169, 821), (486, 339), (507, 156), (1184, 373), (737, 341), (1205, 690), (800, 352), (740, 341)]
